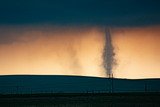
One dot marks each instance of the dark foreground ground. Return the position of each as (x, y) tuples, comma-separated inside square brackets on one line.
[(81, 100)]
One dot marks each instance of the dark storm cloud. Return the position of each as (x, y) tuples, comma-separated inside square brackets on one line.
[(80, 12)]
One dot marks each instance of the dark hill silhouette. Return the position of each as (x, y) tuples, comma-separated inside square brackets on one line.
[(13, 84)]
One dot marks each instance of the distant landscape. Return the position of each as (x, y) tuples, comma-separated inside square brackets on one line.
[(31, 84), (79, 91)]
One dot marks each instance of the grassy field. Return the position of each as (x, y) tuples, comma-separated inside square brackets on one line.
[(81, 100)]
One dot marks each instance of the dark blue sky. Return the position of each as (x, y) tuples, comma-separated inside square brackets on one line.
[(80, 12)]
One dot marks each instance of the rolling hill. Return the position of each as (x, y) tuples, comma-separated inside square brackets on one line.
[(23, 84)]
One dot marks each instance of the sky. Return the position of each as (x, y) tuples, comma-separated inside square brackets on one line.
[(67, 37)]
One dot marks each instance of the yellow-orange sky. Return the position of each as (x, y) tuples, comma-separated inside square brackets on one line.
[(66, 51), (138, 52), (78, 51)]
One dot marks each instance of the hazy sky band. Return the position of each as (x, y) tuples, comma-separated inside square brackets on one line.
[(78, 51)]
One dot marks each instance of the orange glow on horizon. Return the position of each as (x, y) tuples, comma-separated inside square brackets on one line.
[(137, 51), (67, 52), (78, 51)]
